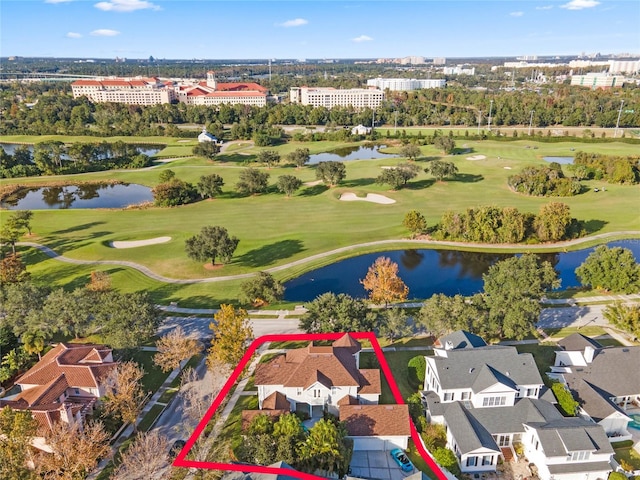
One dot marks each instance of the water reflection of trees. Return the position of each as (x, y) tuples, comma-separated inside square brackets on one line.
[(61, 197), (472, 264), (411, 259)]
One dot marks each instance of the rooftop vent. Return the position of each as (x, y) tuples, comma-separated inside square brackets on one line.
[(471, 370)]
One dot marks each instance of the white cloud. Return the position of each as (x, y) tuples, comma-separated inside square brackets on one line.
[(125, 5), (362, 38), (580, 4), (74, 35), (546, 7), (516, 14), (105, 32), (296, 22)]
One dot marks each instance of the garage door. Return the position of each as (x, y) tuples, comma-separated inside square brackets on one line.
[(368, 444)]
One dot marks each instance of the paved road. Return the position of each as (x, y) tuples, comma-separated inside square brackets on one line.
[(579, 316), (198, 327), (148, 272)]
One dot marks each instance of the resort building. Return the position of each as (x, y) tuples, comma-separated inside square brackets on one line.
[(404, 84), (358, 98), (212, 92), (131, 91), (459, 70), (597, 80)]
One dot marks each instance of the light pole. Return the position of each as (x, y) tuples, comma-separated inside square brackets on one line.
[(490, 109), (531, 121), (615, 134), (479, 119)]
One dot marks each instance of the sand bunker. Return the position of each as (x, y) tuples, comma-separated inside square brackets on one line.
[(371, 197), (312, 184), (477, 157), (140, 243)]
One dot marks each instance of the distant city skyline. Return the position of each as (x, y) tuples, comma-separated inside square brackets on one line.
[(217, 29)]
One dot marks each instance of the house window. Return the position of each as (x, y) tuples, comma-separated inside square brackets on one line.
[(487, 460), (77, 390), (299, 391), (472, 461), (494, 401), (502, 440), (466, 395), (448, 396), (532, 392), (578, 456), (537, 444), (316, 393)]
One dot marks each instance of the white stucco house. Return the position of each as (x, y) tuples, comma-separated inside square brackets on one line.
[(317, 379), (491, 397), (206, 136)]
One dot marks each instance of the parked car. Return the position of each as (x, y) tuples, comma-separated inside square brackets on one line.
[(176, 447), (402, 460)]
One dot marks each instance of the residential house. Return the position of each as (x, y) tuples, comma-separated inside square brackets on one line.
[(489, 398), (604, 380), (63, 386), (317, 379)]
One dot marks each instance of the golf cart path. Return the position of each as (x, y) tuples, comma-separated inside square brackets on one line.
[(148, 272)]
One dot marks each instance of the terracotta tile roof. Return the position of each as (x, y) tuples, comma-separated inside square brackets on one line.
[(68, 359), (45, 394), (249, 415), (86, 83), (297, 368), (347, 341), (196, 92), (348, 400), (370, 383), (234, 94), (376, 420), (238, 86), (276, 401)]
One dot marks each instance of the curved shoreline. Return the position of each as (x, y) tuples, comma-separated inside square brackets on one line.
[(557, 247)]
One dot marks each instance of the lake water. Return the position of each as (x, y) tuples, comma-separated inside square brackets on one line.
[(349, 153), (78, 196), (560, 160), (149, 150), (426, 272)]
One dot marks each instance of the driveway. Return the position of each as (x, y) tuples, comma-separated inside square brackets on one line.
[(373, 464)]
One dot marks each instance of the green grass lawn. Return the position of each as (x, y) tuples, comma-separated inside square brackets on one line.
[(398, 364), (543, 354), (589, 331), (150, 417), (154, 377), (629, 455), (274, 230)]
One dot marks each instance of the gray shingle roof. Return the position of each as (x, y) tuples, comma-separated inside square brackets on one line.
[(511, 419), (576, 343), (579, 467), (564, 435), (592, 399), (461, 368), (461, 339), (469, 433)]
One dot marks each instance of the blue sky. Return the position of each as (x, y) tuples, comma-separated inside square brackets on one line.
[(215, 29)]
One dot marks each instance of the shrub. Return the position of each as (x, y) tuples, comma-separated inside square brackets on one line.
[(617, 476), (417, 369), (447, 459), (566, 402)]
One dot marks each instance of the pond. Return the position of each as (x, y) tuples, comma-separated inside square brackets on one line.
[(560, 160), (78, 196), (148, 150), (349, 153), (426, 272)]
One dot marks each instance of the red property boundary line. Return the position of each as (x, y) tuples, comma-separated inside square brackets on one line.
[(181, 461)]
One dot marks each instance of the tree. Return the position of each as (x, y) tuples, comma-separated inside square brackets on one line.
[(552, 222), (207, 150), (299, 157), (398, 176), (337, 313), (9, 235), (174, 192), (446, 144), (411, 151), (17, 429), (166, 176), (34, 341), (325, 448), (513, 288), (625, 317), (173, 348), (21, 220), (75, 450), (99, 282), (417, 368), (13, 270), (262, 289), (211, 243), (331, 173), (210, 185), (447, 459), (268, 157), (72, 312), (126, 320), (613, 269), (231, 332), (146, 458), (394, 324), (383, 284), (415, 222), (288, 184), (252, 181), (124, 396), (566, 402), (441, 170)]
